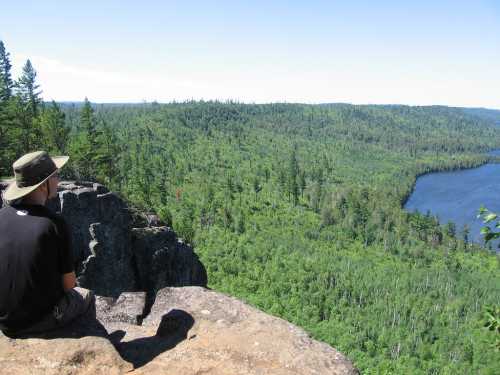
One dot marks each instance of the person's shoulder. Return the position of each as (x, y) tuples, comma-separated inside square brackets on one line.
[(34, 223), (36, 214)]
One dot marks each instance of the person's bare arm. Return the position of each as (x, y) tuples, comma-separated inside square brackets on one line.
[(68, 281)]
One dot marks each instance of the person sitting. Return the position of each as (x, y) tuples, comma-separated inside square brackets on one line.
[(38, 290)]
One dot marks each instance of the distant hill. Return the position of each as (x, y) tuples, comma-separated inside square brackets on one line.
[(484, 113)]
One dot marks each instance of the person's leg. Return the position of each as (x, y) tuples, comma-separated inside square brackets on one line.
[(76, 302), (47, 323)]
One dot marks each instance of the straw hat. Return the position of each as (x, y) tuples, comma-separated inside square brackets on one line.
[(31, 171)]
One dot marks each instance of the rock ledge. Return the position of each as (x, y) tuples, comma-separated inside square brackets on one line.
[(190, 330)]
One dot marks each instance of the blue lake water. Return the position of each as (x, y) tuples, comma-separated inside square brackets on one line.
[(457, 196)]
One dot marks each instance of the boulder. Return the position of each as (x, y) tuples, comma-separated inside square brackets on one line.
[(100, 227), (164, 260), (128, 308)]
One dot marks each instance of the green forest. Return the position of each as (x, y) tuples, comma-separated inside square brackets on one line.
[(297, 210)]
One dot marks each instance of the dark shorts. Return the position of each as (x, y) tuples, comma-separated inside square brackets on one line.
[(75, 303)]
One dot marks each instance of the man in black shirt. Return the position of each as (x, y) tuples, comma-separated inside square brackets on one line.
[(37, 278)]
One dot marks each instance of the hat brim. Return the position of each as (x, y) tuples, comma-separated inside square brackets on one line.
[(14, 192)]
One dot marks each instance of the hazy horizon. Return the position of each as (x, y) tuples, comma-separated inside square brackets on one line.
[(250, 103)]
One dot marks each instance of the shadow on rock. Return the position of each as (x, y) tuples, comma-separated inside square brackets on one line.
[(86, 325), (173, 329)]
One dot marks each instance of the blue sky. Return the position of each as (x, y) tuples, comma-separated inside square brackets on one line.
[(418, 53)]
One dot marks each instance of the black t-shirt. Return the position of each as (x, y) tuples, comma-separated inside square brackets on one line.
[(35, 250)]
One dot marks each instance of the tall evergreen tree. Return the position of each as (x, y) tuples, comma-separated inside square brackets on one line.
[(26, 109), (54, 129), (293, 185), (302, 183), (5, 75), (88, 122), (106, 155), (5, 111), (84, 145), (28, 89), (256, 186)]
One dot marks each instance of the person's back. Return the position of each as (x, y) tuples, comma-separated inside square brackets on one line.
[(37, 280), (34, 253)]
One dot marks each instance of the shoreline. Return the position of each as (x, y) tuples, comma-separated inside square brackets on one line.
[(493, 159)]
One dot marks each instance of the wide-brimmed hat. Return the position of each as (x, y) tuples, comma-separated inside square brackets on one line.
[(31, 171)]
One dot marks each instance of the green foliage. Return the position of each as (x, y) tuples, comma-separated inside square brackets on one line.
[(492, 319), (28, 90), (55, 133), (94, 149), (5, 74), (489, 218), (492, 322), (19, 122), (84, 147)]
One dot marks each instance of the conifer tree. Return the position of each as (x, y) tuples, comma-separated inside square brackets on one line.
[(6, 117), (88, 122), (465, 234), (84, 146), (28, 89), (54, 130), (25, 111), (256, 186), (5, 75), (302, 183), (106, 155), (293, 185)]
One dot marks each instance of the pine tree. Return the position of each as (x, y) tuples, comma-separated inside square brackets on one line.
[(26, 109), (6, 112), (28, 89), (230, 186), (293, 171), (54, 129), (5, 138), (5, 75), (84, 145), (106, 156), (465, 235), (302, 183), (256, 186), (238, 187), (315, 197), (88, 122)]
